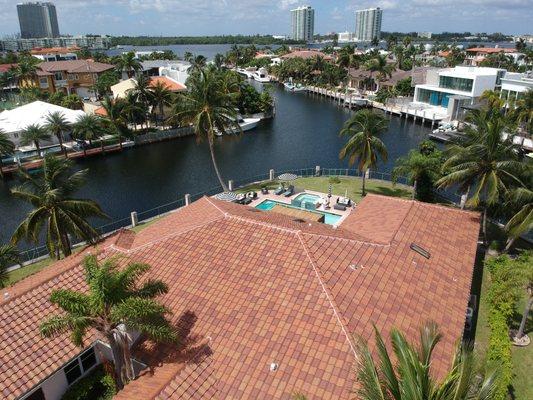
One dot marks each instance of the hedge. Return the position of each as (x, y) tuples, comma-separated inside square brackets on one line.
[(96, 386)]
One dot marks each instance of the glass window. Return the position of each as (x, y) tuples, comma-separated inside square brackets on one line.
[(88, 359), (58, 76), (450, 82), (37, 395), (72, 371)]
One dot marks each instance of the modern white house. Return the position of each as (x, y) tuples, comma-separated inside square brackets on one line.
[(515, 85), (450, 88), (178, 71), (13, 122)]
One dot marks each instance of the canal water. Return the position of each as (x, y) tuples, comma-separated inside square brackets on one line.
[(303, 133)]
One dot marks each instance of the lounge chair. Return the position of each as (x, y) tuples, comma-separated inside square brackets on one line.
[(251, 195), (240, 198), (279, 190), (264, 190), (339, 207), (289, 192)]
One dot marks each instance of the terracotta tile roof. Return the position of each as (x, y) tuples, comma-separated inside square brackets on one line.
[(75, 66), (490, 50), (6, 67), (307, 54), (170, 84), (250, 288), (56, 50)]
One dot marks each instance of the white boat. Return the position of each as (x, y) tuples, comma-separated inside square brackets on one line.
[(293, 87), (355, 101), (245, 124), (261, 75)]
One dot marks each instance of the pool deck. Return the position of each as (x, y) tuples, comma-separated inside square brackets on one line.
[(287, 200)]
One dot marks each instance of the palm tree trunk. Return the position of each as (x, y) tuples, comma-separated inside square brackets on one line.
[(120, 142), (60, 139), (485, 241), (102, 146), (65, 244), (509, 244), (414, 189), (522, 328), (38, 148), (466, 197), (363, 192), (212, 150), (1, 166), (117, 360)]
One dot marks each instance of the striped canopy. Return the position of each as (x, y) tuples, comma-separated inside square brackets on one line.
[(287, 177), (226, 196)]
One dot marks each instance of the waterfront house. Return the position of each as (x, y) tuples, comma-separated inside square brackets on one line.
[(476, 55), (515, 85), (270, 304), (69, 76), (362, 79), (123, 87), (448, 90), (14, 121), (55, 53), (306, 54)]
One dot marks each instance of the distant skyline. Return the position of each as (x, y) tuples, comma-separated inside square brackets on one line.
[(217, 17)]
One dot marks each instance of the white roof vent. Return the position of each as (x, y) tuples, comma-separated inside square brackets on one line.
[(6, 295), (273, 366)]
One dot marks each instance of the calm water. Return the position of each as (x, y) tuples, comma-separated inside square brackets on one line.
[(304, 133)]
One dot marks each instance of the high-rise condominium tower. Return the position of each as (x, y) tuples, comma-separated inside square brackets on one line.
[(303, 23), (37, 20), (368, 24)]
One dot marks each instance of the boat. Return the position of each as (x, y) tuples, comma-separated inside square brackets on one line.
[(355, 101), (293, 87), (245, 124), (261, 75)]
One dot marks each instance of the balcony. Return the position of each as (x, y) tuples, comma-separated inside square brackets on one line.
[(61, 83)]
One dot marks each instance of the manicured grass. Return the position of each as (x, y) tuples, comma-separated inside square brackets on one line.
[(24, 272), (350, 185)]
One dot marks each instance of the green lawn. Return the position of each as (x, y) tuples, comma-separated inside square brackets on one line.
[(21, 273), (345, 184)]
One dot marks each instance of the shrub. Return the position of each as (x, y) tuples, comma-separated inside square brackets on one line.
[(96, 386)]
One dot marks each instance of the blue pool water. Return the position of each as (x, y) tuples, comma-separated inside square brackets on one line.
[(329, 218), (313, 198)]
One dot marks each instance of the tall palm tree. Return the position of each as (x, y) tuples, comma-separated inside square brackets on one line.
[(115, 120), (50, 194), (197, 63), (88, 127), (484, 161), (219, 60), (408, 376), (160, 97), (32, 134), (363, 145), (26, 70), (9, 255), (56, 124), (7, 147), (133, 110), (116, 299), (381, 67), (128, 63), (209, 109)]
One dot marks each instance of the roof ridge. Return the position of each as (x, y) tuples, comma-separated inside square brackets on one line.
[(329, 296)]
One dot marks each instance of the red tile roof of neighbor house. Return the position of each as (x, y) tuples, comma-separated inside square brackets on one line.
[(490, 50), (307, 54), (54, 50), (249, 288), (169, 83), (6, 67), (75, 66)]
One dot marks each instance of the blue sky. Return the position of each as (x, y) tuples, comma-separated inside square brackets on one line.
[(211, 17)]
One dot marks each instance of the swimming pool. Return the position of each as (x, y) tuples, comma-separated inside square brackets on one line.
[(329, 218)]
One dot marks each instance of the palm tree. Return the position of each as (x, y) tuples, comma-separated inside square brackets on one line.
[(363, 145), (197, 63), (483, 160), (494, 102), (32, 134), (128, 63), (88, 127), (116, 300), (56, 123), (219, 60), (133, 111), (141, 91), (7, 147), (9, 255), (208, 108), (408, 374), (115, 118), (380, 66), (160, 98), (26, 70), (188, 56), (522, 221), (62, 216)]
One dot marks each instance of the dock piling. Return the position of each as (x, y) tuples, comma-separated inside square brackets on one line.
[(187, 199)]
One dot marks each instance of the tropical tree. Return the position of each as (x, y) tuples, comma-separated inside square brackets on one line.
[(88, 127), (128, 63), (422, 168), (9, 255), (116, 300), (56, 124), (142, 92), (525, 269), (115, 120), (407, 375), (7, 147), (197, 63), (219, 60), (483, 160), (26, 70), (209, 109), (521, 222), (381, 67), (62, 216), (32, 134), (160, 97), (363, 145), (521, 111), (493, 100)]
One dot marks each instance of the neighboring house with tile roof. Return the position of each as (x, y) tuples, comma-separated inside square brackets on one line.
[(121, 88), (266, 304), (476, 55), (70, 76)]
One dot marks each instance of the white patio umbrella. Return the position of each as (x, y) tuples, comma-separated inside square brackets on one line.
[(226, 196), (288, 177)]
